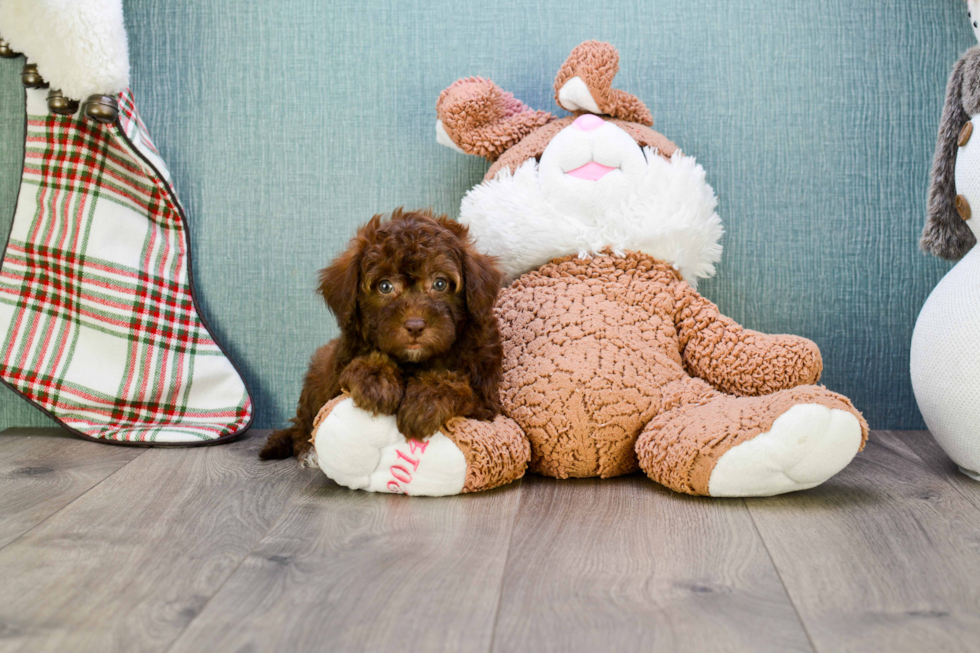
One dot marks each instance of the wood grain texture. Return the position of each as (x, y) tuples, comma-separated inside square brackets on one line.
[(43, 470), (926, 447), (624, 564), (130, 563), (883, 557), (353, 571), (211, 550)]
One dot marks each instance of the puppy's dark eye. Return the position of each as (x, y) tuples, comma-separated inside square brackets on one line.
[(440, 284), (385, 287)]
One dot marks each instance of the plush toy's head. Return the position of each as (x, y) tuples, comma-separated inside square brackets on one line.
[(973, 12), (598, 179), (410, 286)]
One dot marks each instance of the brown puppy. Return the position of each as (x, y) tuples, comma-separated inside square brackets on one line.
[(418, 338)]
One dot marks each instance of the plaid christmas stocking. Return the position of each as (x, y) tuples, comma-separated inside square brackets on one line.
[(97, 314)]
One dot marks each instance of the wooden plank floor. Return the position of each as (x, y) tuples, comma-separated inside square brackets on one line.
[(114, 549)]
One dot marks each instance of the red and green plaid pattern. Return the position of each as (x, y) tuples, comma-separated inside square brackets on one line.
[(100, 327)]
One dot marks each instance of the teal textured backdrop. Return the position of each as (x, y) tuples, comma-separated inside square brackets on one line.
[(287, 123)]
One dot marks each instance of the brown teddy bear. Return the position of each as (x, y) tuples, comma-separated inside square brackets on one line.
[(613, 362)]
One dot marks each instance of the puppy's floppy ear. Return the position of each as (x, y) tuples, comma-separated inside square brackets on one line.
[(482, 279), (481, 276), (340, 281)]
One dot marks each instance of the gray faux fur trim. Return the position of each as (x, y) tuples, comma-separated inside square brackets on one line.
[(970, 89), (946, 234)]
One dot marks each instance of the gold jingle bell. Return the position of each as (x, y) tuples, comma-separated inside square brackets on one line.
[(6, 51), (59, 104), (31, 78), (101, 108)]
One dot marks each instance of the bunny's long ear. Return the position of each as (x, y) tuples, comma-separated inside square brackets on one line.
[(584, 83), (475, 116)]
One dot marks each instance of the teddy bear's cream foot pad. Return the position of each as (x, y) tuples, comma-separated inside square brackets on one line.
[(722, 445), (966, 472), (366, 452), (806, 445)]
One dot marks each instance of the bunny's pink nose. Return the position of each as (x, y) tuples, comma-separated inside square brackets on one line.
[(587, 122)]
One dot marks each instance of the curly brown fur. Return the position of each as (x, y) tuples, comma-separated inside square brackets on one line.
[(408, 346)]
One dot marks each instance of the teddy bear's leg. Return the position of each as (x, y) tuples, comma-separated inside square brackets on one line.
[(727, 446), (367, 452)]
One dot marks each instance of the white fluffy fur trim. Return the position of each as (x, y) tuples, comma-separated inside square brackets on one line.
[(79, 46), (670, 215)]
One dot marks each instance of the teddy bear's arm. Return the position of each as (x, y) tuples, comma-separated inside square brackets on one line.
[(946, 233), (737, 360)]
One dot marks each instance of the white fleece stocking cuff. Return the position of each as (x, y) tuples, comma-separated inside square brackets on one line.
[(79, 46)]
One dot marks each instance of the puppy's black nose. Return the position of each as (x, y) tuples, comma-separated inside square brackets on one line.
[(415, 326)]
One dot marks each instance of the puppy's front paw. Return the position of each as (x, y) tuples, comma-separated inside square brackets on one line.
[(417, 421), (483, 414), (431, 399), (379, 397), (374, 383)]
